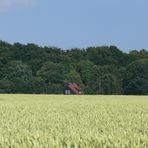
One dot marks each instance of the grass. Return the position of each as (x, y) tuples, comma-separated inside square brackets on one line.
[(52, 121)]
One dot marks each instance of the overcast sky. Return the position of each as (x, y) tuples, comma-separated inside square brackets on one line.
[(76, 23)]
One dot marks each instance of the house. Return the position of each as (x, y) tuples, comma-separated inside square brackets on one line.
[(73, 88)]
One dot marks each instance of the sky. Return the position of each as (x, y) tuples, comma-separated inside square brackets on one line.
[(76, 23)]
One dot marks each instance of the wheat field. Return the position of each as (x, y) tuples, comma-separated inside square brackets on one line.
[(58, 121)]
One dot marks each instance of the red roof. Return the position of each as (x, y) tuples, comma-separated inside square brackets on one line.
[(74, 88)]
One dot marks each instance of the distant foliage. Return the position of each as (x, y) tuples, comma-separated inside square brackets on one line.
[(136, 78), (98, 70)]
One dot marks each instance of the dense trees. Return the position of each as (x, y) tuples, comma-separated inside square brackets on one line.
[(136, 78), (98, 70), (16, 78), (106, 80)]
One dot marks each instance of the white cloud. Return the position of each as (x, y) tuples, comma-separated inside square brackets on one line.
[(5, 4)]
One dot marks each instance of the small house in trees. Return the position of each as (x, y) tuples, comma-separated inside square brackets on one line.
[(73, 88)]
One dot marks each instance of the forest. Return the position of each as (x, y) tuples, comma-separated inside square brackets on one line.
[(33, 69)]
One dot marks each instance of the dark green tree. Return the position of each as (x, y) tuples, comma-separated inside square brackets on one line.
[(136, 78), (52, 72), (53, 75), (106, 80), (17, 78), (85, 68), (73, 77)]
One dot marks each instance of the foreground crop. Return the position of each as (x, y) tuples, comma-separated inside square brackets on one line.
[(73, 121)]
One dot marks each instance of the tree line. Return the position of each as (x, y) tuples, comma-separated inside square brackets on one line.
[(47, 70)]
